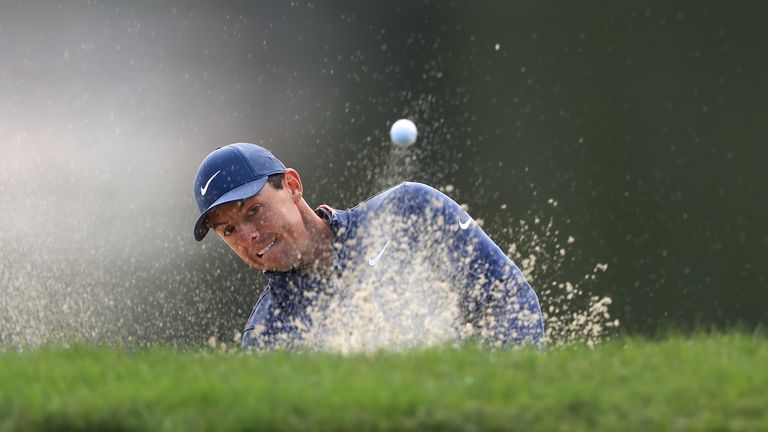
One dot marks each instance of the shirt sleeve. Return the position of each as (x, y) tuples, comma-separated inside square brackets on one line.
[(497, 304), (256, 334)]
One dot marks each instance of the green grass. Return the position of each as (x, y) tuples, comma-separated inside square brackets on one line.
[(707, 382)]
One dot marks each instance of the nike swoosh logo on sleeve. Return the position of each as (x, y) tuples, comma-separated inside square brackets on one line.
[(465, 225), (203, 190), (375, 260)]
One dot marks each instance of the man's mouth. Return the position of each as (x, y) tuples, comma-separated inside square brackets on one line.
[(266, 248)]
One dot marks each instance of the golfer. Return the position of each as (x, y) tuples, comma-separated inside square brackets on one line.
[(256, 205)]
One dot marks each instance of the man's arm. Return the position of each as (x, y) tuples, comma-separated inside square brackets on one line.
[(255, 334), (495, 299)]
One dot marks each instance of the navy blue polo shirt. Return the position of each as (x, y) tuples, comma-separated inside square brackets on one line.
[(387, 233)]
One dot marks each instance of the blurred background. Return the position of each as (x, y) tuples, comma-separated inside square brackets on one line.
[(629, 139)]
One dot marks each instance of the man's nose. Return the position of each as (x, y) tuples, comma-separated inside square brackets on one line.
[(249, 234)]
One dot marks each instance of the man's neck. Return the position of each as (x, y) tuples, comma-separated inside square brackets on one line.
[(320, 251)]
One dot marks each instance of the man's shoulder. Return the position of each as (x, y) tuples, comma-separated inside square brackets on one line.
[(403, 193), (260, 315), (416, 189)]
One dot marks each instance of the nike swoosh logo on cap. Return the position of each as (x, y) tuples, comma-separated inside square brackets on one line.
[(203, 190), (465, 225), (375, 260)]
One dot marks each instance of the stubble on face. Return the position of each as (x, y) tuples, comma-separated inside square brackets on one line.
[(264, 230), (295, 238)]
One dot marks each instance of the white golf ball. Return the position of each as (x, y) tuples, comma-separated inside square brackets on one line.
[(403, 133)]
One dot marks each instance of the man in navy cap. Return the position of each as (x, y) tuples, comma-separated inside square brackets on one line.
[(256, 205)]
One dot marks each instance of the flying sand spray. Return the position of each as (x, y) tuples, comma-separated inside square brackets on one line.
[(390, 310)]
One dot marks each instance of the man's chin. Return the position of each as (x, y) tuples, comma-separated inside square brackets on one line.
[(276, 269), (272, 267)]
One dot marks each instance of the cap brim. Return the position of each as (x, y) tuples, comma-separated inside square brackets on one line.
[(239, 193)]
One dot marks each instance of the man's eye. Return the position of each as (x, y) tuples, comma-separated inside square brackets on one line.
[(254, 209), (228, 230)]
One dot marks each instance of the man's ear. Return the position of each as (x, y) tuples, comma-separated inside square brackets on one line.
[(293, 183)]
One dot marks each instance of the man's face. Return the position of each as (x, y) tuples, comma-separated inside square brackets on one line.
[(266, 230)]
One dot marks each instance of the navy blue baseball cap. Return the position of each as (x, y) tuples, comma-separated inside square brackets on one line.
[(231, 173)]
